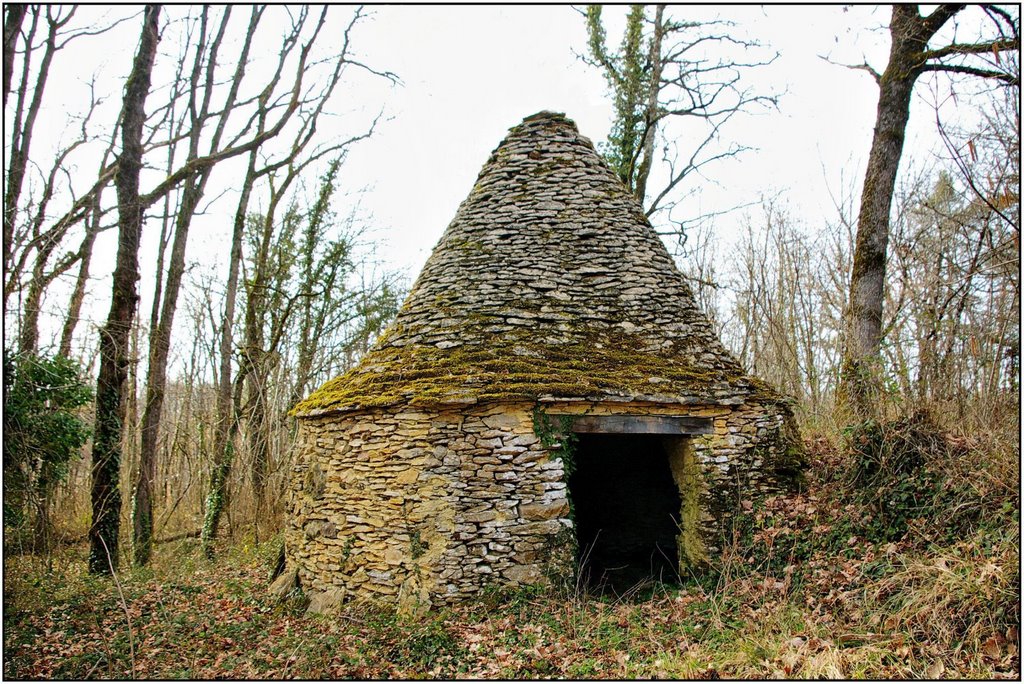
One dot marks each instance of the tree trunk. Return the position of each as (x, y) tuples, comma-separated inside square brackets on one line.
[(258, 431), (227, 416), (217, 499), (114, 361), (14, 16), (861, 363), (652, 111), (28, 342), (78, 296), (161, 335), (867, 280), (254, 355), (156, 378)]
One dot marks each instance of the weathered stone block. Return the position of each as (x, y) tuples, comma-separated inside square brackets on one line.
[(505, 422), (407, 476), (325, 601), (545, 527), (523, 574), (285, 582), (544, 511), (481, 516)]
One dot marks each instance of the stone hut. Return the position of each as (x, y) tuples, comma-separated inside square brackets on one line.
[(549, 400)]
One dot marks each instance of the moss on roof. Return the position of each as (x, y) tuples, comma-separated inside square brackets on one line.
[(523, 369), (549, 281)]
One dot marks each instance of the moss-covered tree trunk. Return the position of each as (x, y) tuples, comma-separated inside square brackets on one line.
[(217, 498), (114, 357), (867, 280), (909, 57)]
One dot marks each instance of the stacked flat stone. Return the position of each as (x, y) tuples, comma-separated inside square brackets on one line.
[(549, 283), (419, 476)]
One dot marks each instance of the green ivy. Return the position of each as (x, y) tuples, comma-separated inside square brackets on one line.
[(560, 549), (561, 439), (43, 431), (416, 546)]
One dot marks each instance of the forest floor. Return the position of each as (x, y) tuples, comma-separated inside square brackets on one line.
[(819, 584)]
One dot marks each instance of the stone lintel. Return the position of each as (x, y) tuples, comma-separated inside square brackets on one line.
[(644, 425)]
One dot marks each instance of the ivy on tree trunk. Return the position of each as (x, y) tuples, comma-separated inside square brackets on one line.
[(114, 358)]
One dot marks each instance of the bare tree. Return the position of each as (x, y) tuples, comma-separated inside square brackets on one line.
[(114, 362), (30, 234), (299, 156), (26, 110), (309, 103), (668, 69), (781, 315), (909, 57)]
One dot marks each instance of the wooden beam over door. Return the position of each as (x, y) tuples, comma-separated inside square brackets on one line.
[(641, 425)]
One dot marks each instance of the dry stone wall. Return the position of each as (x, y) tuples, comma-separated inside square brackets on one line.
[(420, 507)]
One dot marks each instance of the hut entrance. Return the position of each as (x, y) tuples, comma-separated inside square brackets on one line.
[(626, 499)]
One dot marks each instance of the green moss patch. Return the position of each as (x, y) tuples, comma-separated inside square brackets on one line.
[(511, 368)]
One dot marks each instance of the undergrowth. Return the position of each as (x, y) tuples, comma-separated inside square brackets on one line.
[(890, 565)]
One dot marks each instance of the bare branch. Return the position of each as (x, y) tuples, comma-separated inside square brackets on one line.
[(937, 19), (974, 71), (971, 49), (856, 67)]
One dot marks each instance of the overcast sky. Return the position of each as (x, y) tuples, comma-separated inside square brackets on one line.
[(468, 73)]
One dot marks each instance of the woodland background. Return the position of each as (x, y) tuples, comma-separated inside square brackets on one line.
[(161, 437)]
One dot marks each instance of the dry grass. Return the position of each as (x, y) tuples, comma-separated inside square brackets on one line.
[(814, 585)]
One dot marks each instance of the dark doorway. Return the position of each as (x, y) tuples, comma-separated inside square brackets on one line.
[(626, 507)]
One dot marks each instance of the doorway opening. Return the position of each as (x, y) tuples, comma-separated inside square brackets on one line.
[(626, 506)]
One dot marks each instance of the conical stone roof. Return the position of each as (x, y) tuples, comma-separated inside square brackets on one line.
[(550, 283)]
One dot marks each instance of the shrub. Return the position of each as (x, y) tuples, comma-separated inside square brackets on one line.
[(911, 474), (42, 433)]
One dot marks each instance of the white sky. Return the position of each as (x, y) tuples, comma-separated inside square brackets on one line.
[(471, 72)]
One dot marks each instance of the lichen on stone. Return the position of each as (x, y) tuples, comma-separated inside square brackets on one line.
[(516, 367)]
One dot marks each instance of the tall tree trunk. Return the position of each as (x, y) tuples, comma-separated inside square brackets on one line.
[(258, 431), (254, 363), (14, 15), (156, 379), (226, 424), (652, 112), (862, 357), (867, 279), (114, 361), (227, 416), (191, 195), (909, 57)]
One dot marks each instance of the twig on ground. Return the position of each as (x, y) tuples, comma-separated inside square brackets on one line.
[(124, 606)]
